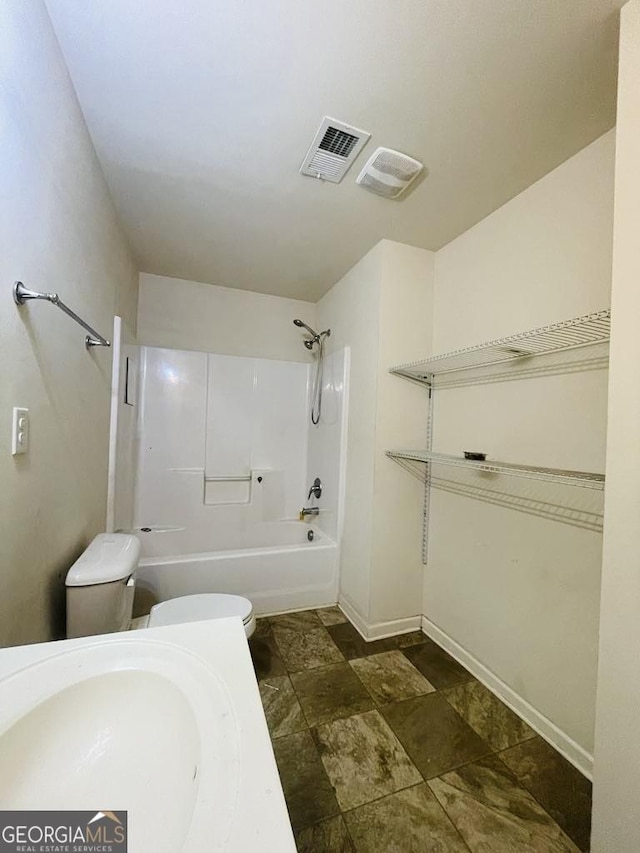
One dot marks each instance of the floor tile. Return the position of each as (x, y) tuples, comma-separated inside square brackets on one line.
[(281, 707), (403, 641), (437, 665), (329, 836), (352, 645), (389, 677), (487, 715), (263, 627), (556, 784), (305, 620), (330, 693), (331, 616), (363, 759), (306, 650), (436, 738), (491, 811), (266, 657), (307, 790), (407, 822)]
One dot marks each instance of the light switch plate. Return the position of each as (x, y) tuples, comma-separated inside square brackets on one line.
[(20, 431)]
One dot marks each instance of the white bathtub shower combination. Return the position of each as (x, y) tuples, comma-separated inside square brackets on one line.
[(226, 452)]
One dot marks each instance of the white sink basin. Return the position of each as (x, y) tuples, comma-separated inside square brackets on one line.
[(125, 722)]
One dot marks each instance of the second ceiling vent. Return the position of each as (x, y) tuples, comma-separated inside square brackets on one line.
[(334, 148), (388, 173)]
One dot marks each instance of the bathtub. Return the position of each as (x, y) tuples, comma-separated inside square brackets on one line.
[(273, 564)]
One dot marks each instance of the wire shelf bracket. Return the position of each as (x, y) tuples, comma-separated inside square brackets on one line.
[(22, 294)]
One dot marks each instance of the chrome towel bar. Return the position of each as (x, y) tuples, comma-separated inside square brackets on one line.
[(22, 294)]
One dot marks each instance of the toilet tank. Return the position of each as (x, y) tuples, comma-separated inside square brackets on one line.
[(100, 586)]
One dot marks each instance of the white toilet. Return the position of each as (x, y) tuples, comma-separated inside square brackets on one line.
[(101, 583)]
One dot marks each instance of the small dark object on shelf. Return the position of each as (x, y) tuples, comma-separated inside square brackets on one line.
[(473, 454)]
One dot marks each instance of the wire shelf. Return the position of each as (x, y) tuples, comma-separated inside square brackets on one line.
[(582, 479), (515, 349)]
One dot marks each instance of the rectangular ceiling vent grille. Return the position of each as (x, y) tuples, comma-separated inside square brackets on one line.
[(338, 142), (334, 148)]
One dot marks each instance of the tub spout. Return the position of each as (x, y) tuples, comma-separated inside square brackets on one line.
[(308, 510)]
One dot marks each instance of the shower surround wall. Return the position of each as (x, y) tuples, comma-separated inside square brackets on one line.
[(122, 429), (327, 446), (216, 416), (222, 475)]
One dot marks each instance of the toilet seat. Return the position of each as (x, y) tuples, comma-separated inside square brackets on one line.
[(198, 608)]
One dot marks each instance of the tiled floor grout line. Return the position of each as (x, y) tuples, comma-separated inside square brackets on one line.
[(378, 707), (424, 781), (491, 751), (531, 794), (406, 788), (448, 816), (309, 728)]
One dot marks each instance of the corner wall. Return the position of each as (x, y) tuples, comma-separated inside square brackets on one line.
[(518, 593), (616, 789), (381, 311), (350, 310), (60, 234), (406, 310)]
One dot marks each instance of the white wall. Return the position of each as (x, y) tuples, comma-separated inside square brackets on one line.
[(351, 310), (617, 755), (189, 315), (406, 311), (59, 233), (380, 310), (520, 593)]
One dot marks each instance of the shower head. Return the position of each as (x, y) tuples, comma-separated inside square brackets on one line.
[(316, 337), (302, 325)]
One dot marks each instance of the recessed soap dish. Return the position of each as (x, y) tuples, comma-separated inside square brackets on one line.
[(474, 454)]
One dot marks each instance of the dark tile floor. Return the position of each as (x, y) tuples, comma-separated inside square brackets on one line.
[(393, 747)]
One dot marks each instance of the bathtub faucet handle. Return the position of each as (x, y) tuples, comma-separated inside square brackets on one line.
[(316, 488)]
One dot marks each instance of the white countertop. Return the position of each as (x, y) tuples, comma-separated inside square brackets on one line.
[(255, 817)]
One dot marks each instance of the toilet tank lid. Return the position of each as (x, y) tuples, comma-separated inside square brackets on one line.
[(110, 557)]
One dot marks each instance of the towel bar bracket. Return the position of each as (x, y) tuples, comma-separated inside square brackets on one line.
[(22, 294)]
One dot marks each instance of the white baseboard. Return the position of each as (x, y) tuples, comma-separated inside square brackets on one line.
[(565, 745), (378, 630), (353, 616)]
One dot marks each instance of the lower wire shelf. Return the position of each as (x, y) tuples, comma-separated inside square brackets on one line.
[(527, 488), (583, 479)]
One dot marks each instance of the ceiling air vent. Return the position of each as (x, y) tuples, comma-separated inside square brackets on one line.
[(334, 148), (388, 173)]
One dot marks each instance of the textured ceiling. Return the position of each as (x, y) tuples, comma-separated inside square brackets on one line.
[(202, 110)]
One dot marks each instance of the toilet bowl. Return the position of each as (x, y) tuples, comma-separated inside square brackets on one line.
[(196, 608), (101, 584)]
